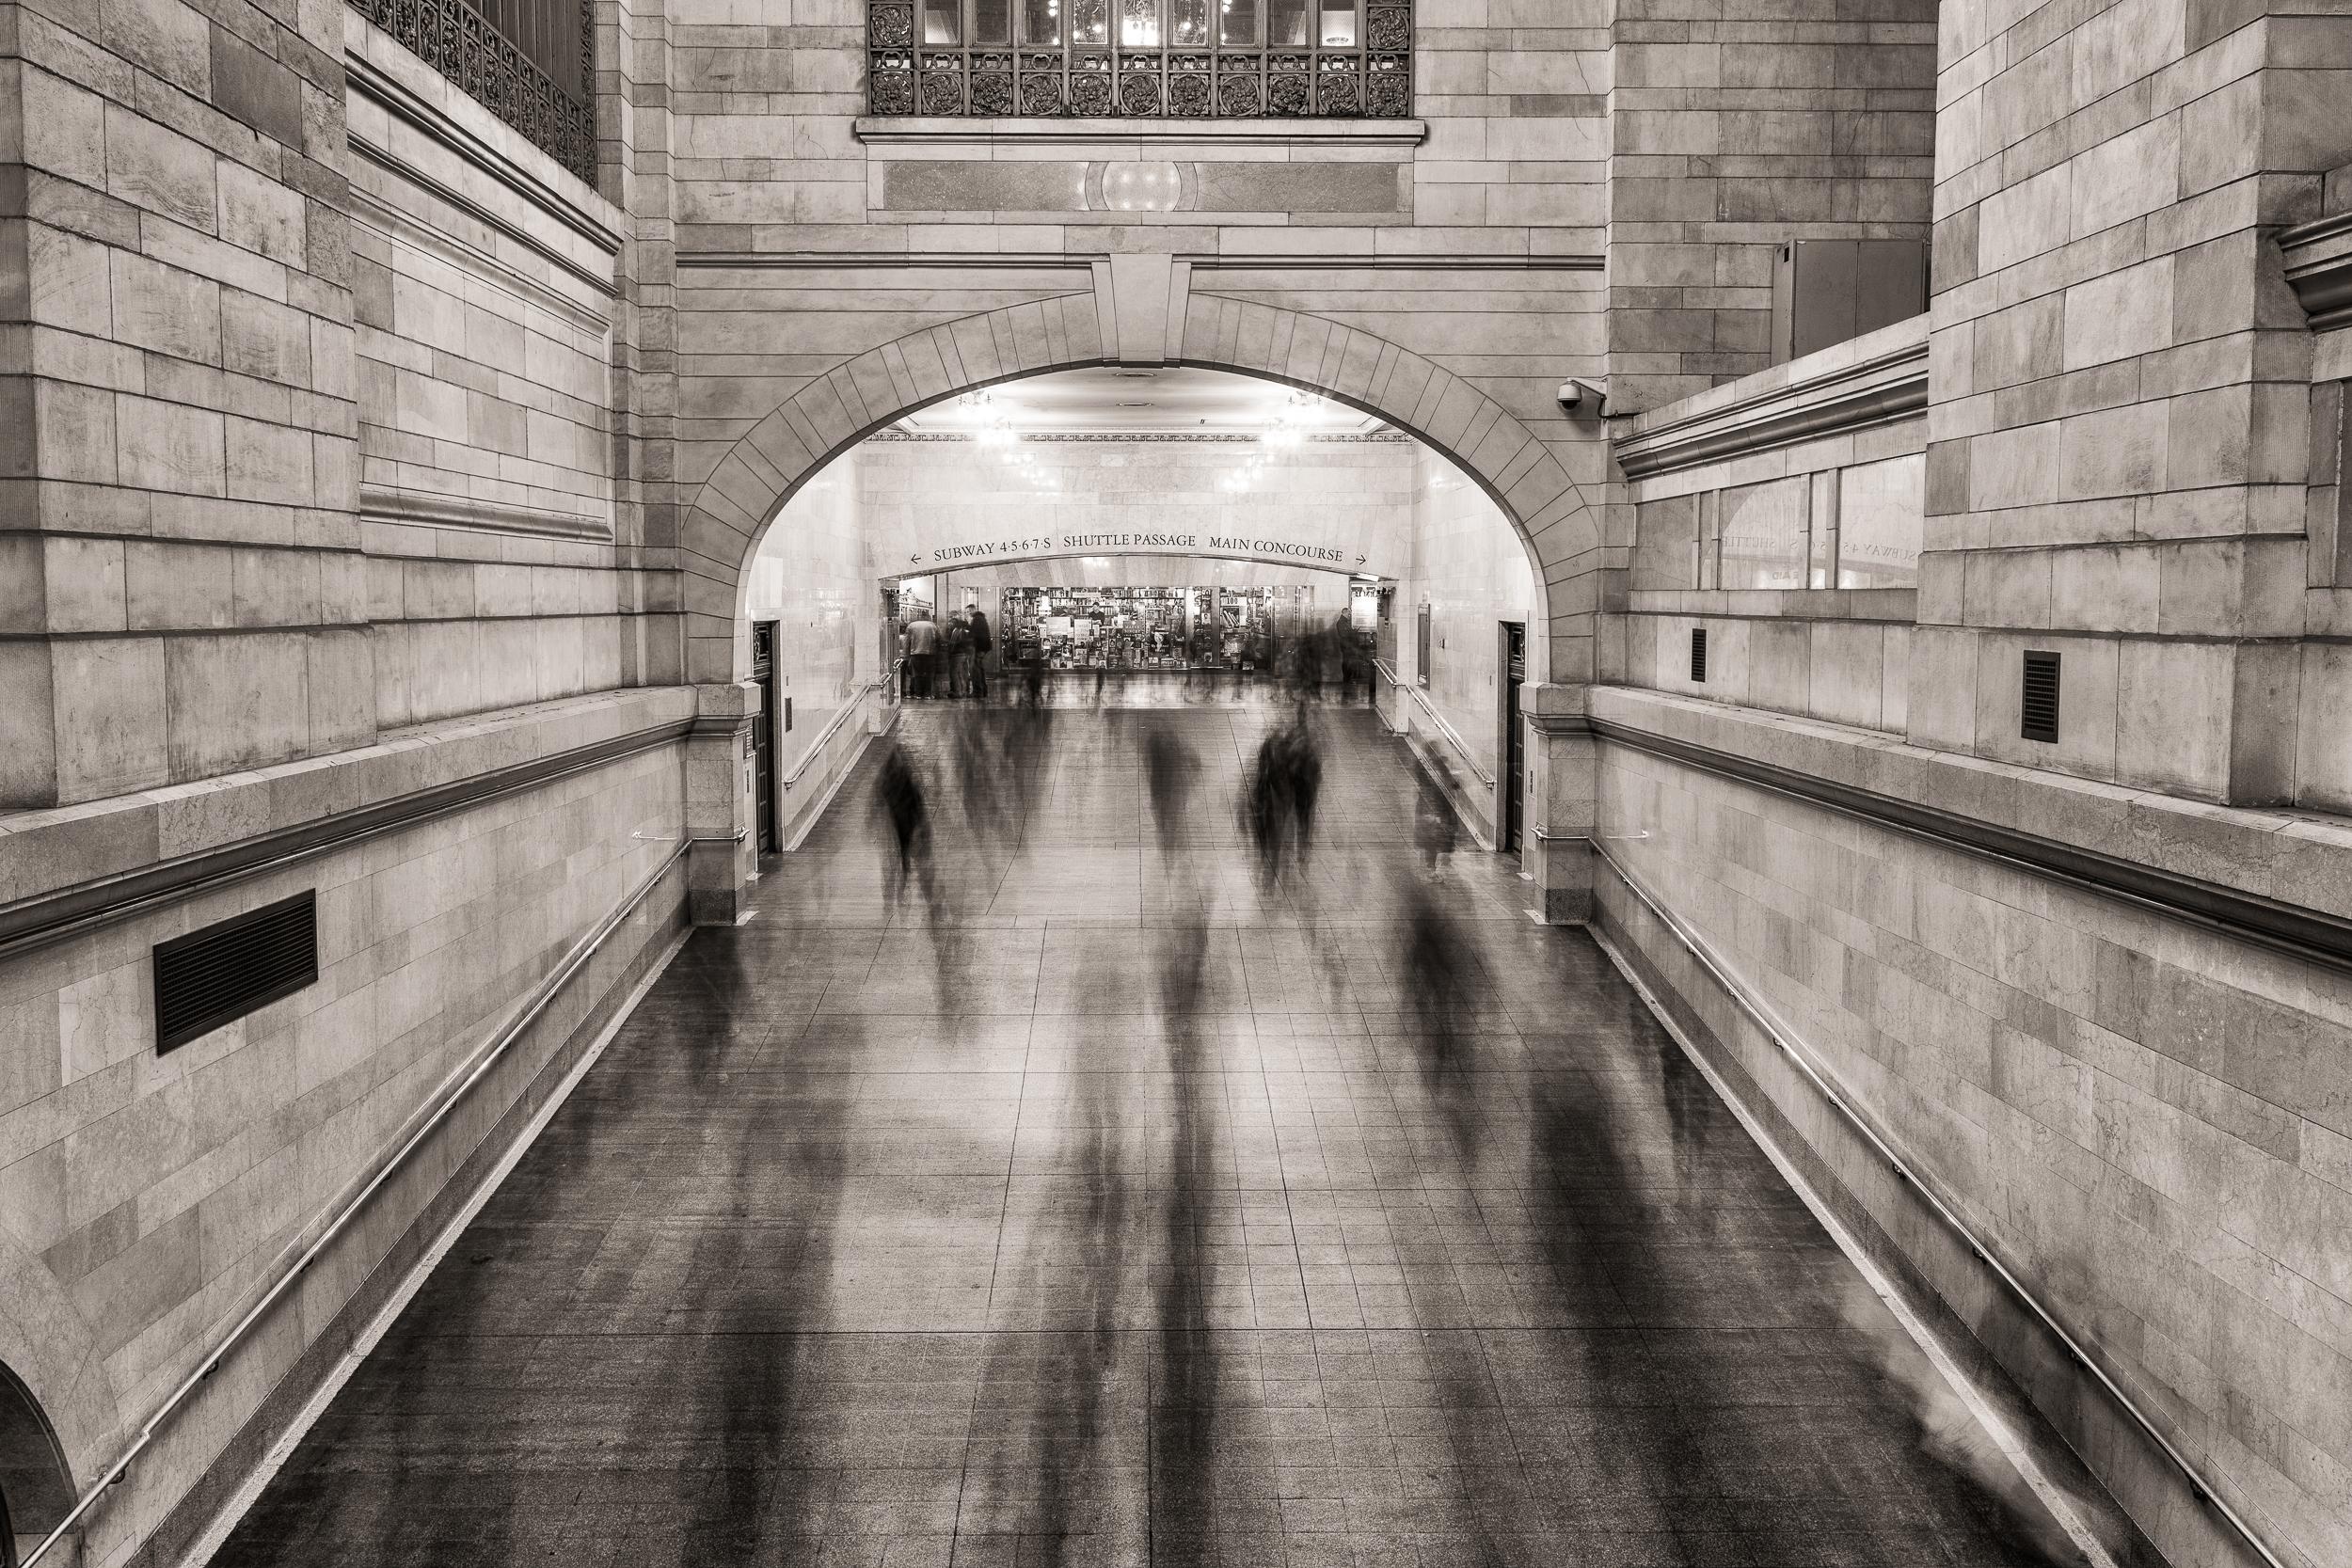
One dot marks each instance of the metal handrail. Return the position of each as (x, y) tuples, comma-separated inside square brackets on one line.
[(1825, 1082), (849, 705), (1436, 718), (447, 1100)]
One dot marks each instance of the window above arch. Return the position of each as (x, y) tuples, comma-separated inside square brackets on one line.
[(1141, 59)]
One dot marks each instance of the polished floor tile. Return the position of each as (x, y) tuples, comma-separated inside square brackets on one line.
[(1103, 1202)]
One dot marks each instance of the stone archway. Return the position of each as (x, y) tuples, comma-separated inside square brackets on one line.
[(832, 412), (760, 471)]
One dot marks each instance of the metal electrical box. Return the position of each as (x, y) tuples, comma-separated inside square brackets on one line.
[(1827, 291)]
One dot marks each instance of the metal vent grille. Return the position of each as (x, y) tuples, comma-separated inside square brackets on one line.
[(1698, 654), (2040, 703), (209, 978)]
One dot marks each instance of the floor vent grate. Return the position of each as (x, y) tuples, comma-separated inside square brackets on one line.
[(220, 974)]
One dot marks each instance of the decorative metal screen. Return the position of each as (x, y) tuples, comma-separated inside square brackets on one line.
[(533, 63), (1141, 59)]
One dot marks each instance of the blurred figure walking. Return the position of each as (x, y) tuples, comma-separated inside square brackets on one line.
[(1278, 798), (899, 796), (922, 653), (983, 642), (957, 641), (1171, 765), (1434, 830)]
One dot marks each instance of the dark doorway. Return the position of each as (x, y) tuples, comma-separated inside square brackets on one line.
[(1514, 740), (764, 731)]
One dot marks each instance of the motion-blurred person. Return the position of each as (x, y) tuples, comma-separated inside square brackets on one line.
[(1435, 831), (1434, 971), (979, 779), (1171, 765), (956, 640), (983, 643), (1278, 798), (899, 796), (922, 637)]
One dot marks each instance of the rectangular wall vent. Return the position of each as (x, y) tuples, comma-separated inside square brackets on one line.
[(220, 974), (1698, 654), (2040, 705)]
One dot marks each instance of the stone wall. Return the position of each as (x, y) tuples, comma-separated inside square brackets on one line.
[(184, 587), (1735, 130), (2147, 1121), (149, 1197), (2122, 384)]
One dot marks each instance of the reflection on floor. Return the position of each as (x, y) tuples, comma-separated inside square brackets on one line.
[(1113, 1207)]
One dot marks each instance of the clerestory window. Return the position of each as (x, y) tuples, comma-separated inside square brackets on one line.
[(1227, 59)]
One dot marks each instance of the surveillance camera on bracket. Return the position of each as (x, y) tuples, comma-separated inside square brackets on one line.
[(1577, 395)]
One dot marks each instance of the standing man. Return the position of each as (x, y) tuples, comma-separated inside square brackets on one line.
[(922, 652), (983, 639)]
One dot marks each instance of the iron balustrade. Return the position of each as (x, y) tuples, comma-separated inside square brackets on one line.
[(533, 63), (1141, 59)]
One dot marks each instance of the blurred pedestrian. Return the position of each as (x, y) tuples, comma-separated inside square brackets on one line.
[(1434, 830), (956, 638), (1171, 765), (983, 643), (899, 796), (922, 653)]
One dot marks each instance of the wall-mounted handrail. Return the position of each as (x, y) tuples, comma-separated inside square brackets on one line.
[(1826, 1084), (452, 1094), (849, 706), (1436, 718)]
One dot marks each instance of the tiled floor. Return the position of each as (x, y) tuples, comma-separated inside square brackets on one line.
[(1115, 1209)]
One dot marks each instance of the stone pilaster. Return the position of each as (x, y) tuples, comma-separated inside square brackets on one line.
[(2120, 420), (1556, 847), (723, 856)]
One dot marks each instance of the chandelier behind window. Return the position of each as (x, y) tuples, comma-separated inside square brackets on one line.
[(1229, 59)]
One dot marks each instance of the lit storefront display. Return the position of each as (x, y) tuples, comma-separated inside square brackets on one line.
[(1147, 629)]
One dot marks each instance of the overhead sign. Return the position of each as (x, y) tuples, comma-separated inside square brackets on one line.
[(1212, 544)]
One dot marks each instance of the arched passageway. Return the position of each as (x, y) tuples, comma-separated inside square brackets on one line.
[(765, 469), (35, 1489)]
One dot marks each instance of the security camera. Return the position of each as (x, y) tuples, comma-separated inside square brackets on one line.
[(1575, 392)]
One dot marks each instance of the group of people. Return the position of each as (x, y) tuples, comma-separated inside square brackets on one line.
[(950, 660)]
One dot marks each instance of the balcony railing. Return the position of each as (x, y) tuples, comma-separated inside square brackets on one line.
[(530, 62)]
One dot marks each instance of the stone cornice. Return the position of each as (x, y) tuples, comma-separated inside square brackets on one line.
[(1802, 761), (371, 81), (85, 897), (2318, 261), (888, 131), (1796, 402)]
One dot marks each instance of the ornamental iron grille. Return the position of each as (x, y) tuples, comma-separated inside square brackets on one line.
[(533, 63), (1141, 59)]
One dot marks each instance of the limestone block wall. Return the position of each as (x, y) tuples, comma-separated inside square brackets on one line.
[(2121, 441), (145, 1199), (1737, 128), (182, 583), (2148, 1122), (485, 282)]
